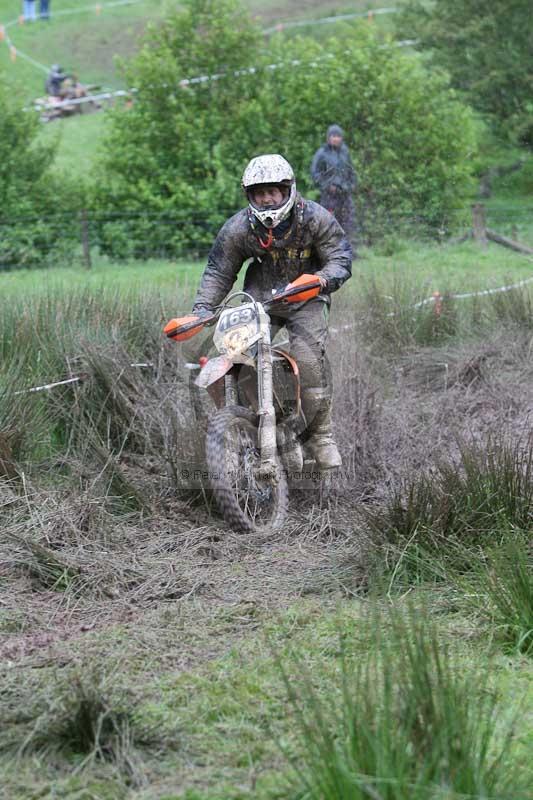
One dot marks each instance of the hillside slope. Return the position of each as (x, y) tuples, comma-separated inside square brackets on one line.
[(90, 39)]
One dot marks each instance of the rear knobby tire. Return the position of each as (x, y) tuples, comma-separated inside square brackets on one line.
[(247, 503)]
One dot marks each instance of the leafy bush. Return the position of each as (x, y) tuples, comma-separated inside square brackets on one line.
[(29, 191), (498, 78), (181, 149)]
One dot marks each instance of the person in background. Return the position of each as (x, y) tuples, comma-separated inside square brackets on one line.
[(54, 81), (44, 9), (332, 171), (28, 10)]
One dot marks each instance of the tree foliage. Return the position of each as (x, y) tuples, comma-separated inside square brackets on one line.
[(182, 148), (487, 49), (28, 189), (23, 162)]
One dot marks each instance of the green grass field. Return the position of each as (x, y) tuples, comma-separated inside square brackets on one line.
[(428, 267), (78, 142), (86, 43), (89, 43), (220, 725)]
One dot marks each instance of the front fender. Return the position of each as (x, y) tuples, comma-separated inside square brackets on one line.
[(214, 370)]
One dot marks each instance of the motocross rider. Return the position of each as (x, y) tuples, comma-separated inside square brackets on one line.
[(285, 236)]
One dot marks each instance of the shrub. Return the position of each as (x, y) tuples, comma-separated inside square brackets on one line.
[(181, 149), (29, 191), (497, 79)]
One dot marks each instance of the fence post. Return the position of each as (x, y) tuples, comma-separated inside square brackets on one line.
[(84, 228), (479, 224)]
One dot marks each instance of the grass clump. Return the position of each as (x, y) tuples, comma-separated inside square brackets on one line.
[(454, 511), (404, 318), (410, 722), (502, 591), (514, 306), (88, 719)]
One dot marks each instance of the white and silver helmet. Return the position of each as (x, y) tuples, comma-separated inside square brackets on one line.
[(270, 169)]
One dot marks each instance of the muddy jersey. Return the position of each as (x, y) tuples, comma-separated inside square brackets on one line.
[(314, 243)]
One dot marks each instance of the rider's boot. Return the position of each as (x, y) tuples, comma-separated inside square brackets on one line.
[(321, 441)]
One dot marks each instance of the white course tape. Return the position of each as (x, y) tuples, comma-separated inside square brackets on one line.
[(78, 379), (48, 386), (438, 297), (78, 101), (304, 23), (203, 79)]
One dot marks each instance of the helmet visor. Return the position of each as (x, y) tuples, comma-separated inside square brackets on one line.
[(268, 196)]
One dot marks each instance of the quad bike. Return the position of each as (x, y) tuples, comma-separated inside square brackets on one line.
[(51, 107), (255, 387)]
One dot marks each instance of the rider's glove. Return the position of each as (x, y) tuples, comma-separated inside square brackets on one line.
[(202, 311), (323, 284)]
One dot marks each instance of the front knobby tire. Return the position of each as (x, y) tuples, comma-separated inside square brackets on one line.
[(248, 503)]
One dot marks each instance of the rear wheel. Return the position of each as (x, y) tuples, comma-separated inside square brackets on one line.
[(248, 501)]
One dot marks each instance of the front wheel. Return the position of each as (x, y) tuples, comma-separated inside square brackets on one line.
[(248, 501)]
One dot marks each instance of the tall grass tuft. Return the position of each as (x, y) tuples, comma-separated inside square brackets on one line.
[(459, 508), (514, 306), (409, 721), (118, 411), (502, 590), (398, 321), (87, 718)]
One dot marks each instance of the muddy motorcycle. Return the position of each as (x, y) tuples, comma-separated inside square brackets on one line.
[(251, 443)]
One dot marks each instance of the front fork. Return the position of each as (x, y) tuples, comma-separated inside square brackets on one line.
[(266, 411), (265, 393), (230, 389)]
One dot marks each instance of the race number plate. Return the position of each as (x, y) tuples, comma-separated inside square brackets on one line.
[(233, 317)]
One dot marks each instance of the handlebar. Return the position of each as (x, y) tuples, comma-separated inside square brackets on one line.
[(292, 292), (184, 327)]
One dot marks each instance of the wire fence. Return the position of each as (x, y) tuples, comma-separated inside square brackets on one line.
[(78, 238)]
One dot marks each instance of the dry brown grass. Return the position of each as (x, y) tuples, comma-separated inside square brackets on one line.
[(112, 521)]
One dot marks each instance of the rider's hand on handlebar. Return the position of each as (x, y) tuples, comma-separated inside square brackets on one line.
[(323, 283), (202, 311)]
